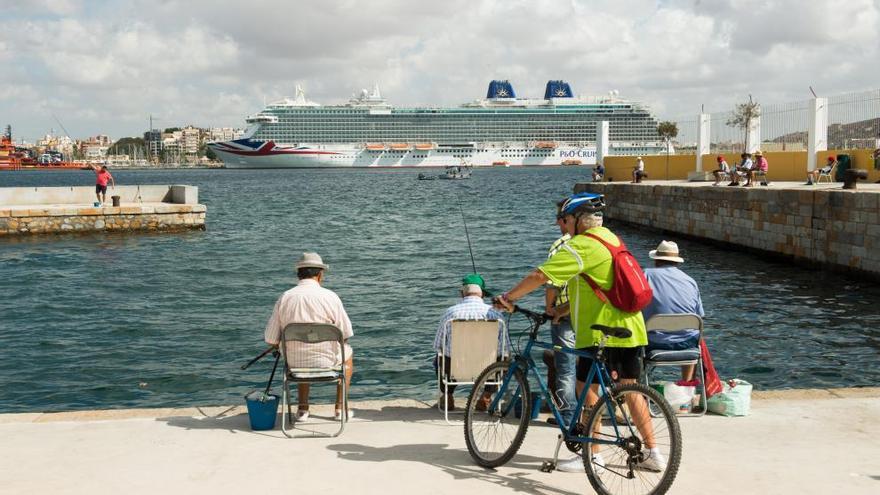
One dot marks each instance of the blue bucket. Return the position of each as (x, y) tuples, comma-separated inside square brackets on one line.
[(262, 410)]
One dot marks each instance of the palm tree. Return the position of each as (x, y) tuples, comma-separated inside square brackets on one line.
[(667, 131)]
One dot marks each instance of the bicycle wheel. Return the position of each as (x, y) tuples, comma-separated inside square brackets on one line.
[(628, 466), (497, 417)]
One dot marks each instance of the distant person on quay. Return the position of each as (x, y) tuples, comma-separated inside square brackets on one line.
[(760, 165), (309, 302), (102, 177), (639, 171), (722, 170), (743, 169), (469, 307), (675, 292), (813, 176), (598, 172)]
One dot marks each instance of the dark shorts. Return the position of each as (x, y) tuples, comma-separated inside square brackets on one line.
[(622, 362), (100, 189)]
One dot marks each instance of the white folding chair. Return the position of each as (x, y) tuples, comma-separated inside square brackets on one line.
[(829, 176), (659, 358), (300, 366), (473, 347)]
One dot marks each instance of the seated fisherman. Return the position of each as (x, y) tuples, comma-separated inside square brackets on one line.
[(813, 176), (639, 170), (742, 170), (598, 172), (470, 307), (722, 170), (308, 302), (674, 292)]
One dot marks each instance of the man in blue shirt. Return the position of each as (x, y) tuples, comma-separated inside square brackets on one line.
[(674, 290), (470, 307)]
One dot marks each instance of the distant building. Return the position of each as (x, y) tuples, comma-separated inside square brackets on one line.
[(190, 140), (153, 142), (222, 134)]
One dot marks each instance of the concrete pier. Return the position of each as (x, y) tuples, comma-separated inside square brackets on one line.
[(797, 442), (46, 210), (821, 224)]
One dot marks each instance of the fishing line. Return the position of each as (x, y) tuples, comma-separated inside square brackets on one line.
[(466, 233)]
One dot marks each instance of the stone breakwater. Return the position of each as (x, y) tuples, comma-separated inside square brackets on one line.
[(838, 229), (58, 210), (125, 218)]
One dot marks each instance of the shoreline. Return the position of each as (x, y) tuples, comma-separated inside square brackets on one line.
[(82, 415)]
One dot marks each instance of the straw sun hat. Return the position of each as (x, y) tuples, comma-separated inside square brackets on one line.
[(668, 251), (311, 260)]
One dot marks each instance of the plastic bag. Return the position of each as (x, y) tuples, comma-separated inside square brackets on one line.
[(734, 400), (679, 396)]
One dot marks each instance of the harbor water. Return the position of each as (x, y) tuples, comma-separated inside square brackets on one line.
[(148, 320)]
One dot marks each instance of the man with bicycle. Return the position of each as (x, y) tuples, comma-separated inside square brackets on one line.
[(581, 258)]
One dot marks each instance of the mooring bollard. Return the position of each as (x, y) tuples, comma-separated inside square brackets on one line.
[(116, 200), (851, 177)]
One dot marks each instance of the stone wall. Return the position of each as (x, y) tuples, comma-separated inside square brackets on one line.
[(127, 218), (836, 228)]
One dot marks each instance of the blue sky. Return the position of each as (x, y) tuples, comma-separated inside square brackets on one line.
[(105, 66)]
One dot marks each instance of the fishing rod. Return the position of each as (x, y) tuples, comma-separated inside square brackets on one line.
[(254, 360), (466, 233)]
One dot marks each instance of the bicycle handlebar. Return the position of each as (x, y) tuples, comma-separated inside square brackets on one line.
[(538, 318)]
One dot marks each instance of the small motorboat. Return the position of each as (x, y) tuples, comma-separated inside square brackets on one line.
[(427, 177), (457, 172)]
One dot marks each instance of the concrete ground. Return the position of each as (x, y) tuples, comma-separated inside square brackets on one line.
[(806, 441)]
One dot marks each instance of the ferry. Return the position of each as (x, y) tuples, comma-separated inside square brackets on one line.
[(500, 129)]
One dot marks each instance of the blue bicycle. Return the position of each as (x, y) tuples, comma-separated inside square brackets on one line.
[(630, 442)]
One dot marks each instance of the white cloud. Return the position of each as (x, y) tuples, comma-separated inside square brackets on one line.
[(108, 66)]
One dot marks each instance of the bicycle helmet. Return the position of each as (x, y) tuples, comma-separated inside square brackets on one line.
[(581, 203)]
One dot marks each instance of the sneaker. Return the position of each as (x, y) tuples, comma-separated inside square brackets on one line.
[(653, 461), (483, 403), (338, 415), (573, 465), (302, 416)]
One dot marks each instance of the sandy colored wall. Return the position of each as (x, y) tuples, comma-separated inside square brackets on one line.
[(784, 165)]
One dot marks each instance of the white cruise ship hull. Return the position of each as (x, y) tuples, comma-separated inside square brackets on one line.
[(250, 153)]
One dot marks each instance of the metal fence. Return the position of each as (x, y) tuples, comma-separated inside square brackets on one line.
[(853, 123), (854, 120)]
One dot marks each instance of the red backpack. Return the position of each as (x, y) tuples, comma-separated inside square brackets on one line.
[(629, 291)]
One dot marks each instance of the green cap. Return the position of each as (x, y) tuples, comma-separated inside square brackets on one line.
[(475, 279)]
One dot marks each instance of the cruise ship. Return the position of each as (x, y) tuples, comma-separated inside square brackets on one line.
[(498, 130)]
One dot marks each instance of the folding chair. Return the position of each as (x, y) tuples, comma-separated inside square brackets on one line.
[(829, 176), (473, 347), (761, 174), (301, 366), (659, 358)]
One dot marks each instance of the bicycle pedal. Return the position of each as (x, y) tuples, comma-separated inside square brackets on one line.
[(548, 466)]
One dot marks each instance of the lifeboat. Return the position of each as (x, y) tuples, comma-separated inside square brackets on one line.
[(424, 146), (399, 146), (500, 164), (375, 146), (545, 144), (571, 162)]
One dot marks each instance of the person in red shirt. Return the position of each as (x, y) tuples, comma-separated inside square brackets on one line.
[(102, 177)]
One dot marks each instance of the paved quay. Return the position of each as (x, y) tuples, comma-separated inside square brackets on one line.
[(801, 441)]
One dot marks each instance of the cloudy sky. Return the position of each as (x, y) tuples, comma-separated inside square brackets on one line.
[(103, 66)]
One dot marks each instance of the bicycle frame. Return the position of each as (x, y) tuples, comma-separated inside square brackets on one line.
[(597, 370)]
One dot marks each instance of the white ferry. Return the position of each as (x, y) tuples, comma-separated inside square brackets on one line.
[(499, 130)]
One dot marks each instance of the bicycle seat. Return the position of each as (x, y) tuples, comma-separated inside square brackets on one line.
[(619, 332)]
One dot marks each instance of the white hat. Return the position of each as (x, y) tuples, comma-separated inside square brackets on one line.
[(311, 260), (638, 158), (666, 250)]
